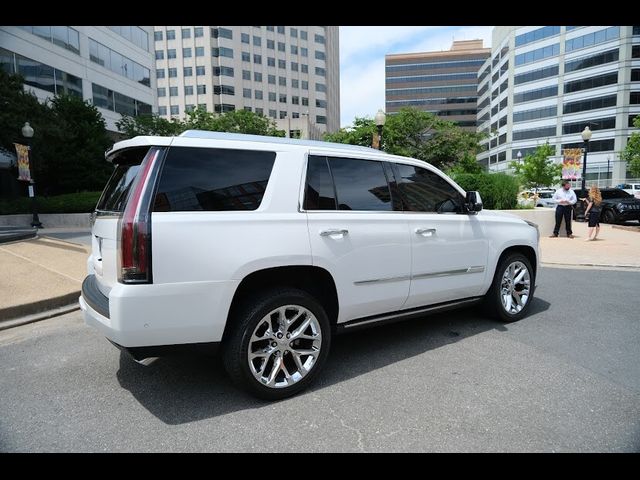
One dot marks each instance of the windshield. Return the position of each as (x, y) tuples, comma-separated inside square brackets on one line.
[(614, 193), (545, 195)]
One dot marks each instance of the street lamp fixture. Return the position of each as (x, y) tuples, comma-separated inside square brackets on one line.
[(586, 136), (27, 133), (380, 119)]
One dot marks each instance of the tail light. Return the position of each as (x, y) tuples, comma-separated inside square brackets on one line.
[(134, 227)]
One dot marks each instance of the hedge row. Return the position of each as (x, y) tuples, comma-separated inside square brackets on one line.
[(83, 202), (499, 191)]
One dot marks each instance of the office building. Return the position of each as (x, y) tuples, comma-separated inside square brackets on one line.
[(288, 73), (113, 67), (547, 83), (444, 83)]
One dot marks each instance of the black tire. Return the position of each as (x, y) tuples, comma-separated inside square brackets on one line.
[(608, 217), (493, 299), (247, 318)]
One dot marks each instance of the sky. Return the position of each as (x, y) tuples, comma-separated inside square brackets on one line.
[(362, 51)]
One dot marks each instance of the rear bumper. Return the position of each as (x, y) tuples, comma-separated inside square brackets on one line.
[(133, 316)]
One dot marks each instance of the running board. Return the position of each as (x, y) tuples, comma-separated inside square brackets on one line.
[(405, 314)]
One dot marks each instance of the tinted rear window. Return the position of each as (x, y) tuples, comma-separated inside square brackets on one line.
[(114, 196), (209, 179), (320, 194)]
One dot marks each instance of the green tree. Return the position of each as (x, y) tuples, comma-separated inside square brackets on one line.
[(75, 144), (238, 121), (631, 153), (416, 134), (467, 164), (536, 169), (148, 125)]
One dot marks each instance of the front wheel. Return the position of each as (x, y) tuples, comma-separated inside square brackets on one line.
[(278, 343), (511, 292), (608, 217)]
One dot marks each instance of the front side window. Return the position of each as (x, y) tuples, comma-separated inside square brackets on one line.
[(208, 179), (425, 191)]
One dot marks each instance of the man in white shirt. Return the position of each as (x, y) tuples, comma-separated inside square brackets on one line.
[(565, 198)]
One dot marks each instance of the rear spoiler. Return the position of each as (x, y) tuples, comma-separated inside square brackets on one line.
[(118, 150)]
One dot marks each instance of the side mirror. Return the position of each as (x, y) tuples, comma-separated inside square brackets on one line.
[(473, 202)]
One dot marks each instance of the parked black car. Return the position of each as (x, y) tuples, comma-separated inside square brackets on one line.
[(617, 206)]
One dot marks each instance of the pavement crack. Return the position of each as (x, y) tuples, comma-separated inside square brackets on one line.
[(353, 429)]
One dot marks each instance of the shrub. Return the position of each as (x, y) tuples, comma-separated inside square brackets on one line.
[(83, 202), (498, 190)]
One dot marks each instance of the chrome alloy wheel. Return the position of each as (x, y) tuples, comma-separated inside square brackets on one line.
[(515, 287), (284, 346)]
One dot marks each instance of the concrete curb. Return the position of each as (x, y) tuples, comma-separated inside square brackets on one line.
[(38, 307), (7, 238), (49, 220), (39, 316)]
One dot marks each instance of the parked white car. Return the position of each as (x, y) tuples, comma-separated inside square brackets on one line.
[(631, 188), (266, 247)]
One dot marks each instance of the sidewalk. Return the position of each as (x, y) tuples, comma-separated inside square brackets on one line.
[(45, 273)]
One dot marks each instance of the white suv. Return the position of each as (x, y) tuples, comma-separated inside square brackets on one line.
[(266, 247)]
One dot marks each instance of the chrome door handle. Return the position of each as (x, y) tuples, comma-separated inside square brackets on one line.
[(333, 231), (426, 232)]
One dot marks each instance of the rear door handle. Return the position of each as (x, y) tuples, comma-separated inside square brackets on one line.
[(426, 232), (333, 231)]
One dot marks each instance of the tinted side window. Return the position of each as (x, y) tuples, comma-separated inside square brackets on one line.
[(319, 194), (115, 193), (213, 179), (360, 185), (426, 191)]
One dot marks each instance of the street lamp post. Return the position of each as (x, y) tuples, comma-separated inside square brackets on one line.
[(380, 120), (27, 133), (519, 155), (586, 136)]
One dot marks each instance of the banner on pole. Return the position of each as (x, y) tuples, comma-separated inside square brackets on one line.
[(24, 172), (571, 164)]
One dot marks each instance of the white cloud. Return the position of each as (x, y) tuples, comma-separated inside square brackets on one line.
[(362, 51)]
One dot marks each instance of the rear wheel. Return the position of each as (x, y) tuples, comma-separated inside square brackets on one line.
[(278, 343), (608, 217), (511, 292)]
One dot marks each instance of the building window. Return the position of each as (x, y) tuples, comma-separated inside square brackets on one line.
[(594, 124), (246, 93), (270, 28), (304, 68), (590, 104), (272, 113), (592, 61), (305, 85), (260, 111), (173, 91), (271, 44), (162, 92), (594, 38), (321, 87), (282, 64), (162, 110), (186, 52), (305, 101), (171, 53), (119, 64), (186, 33), (224, 90), (295, 83), (226, 107), (294, 49), (271, 79), (159, 55), (537, 35), (223, 52), (535, 94), (160, 73), (188, 89), (157, 36), (246, 57), (258, 94), (591, 82), (538, 54), (319, 39), (283, 98), (246, 75), (198, 32), (282, 81), (281, 30), (304, 52), (173, 72), (321, 103), (247, 109), (295, 100), (187, 72), (321, 119), (224, 71), (294, 66), (202, 106), (222, 33), (271, 62), (539, 74), (272, 96), (244, 38), (321, 72), (303, 34), (171, 34), (283, 114), (257, 41), (594, 145), (534, 114), (294, 32), (534, 133), (281, 47), (200, 70), (189, 108), (257, 77), (257, 59), (199, 51), (201, 89), (175, 110)]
